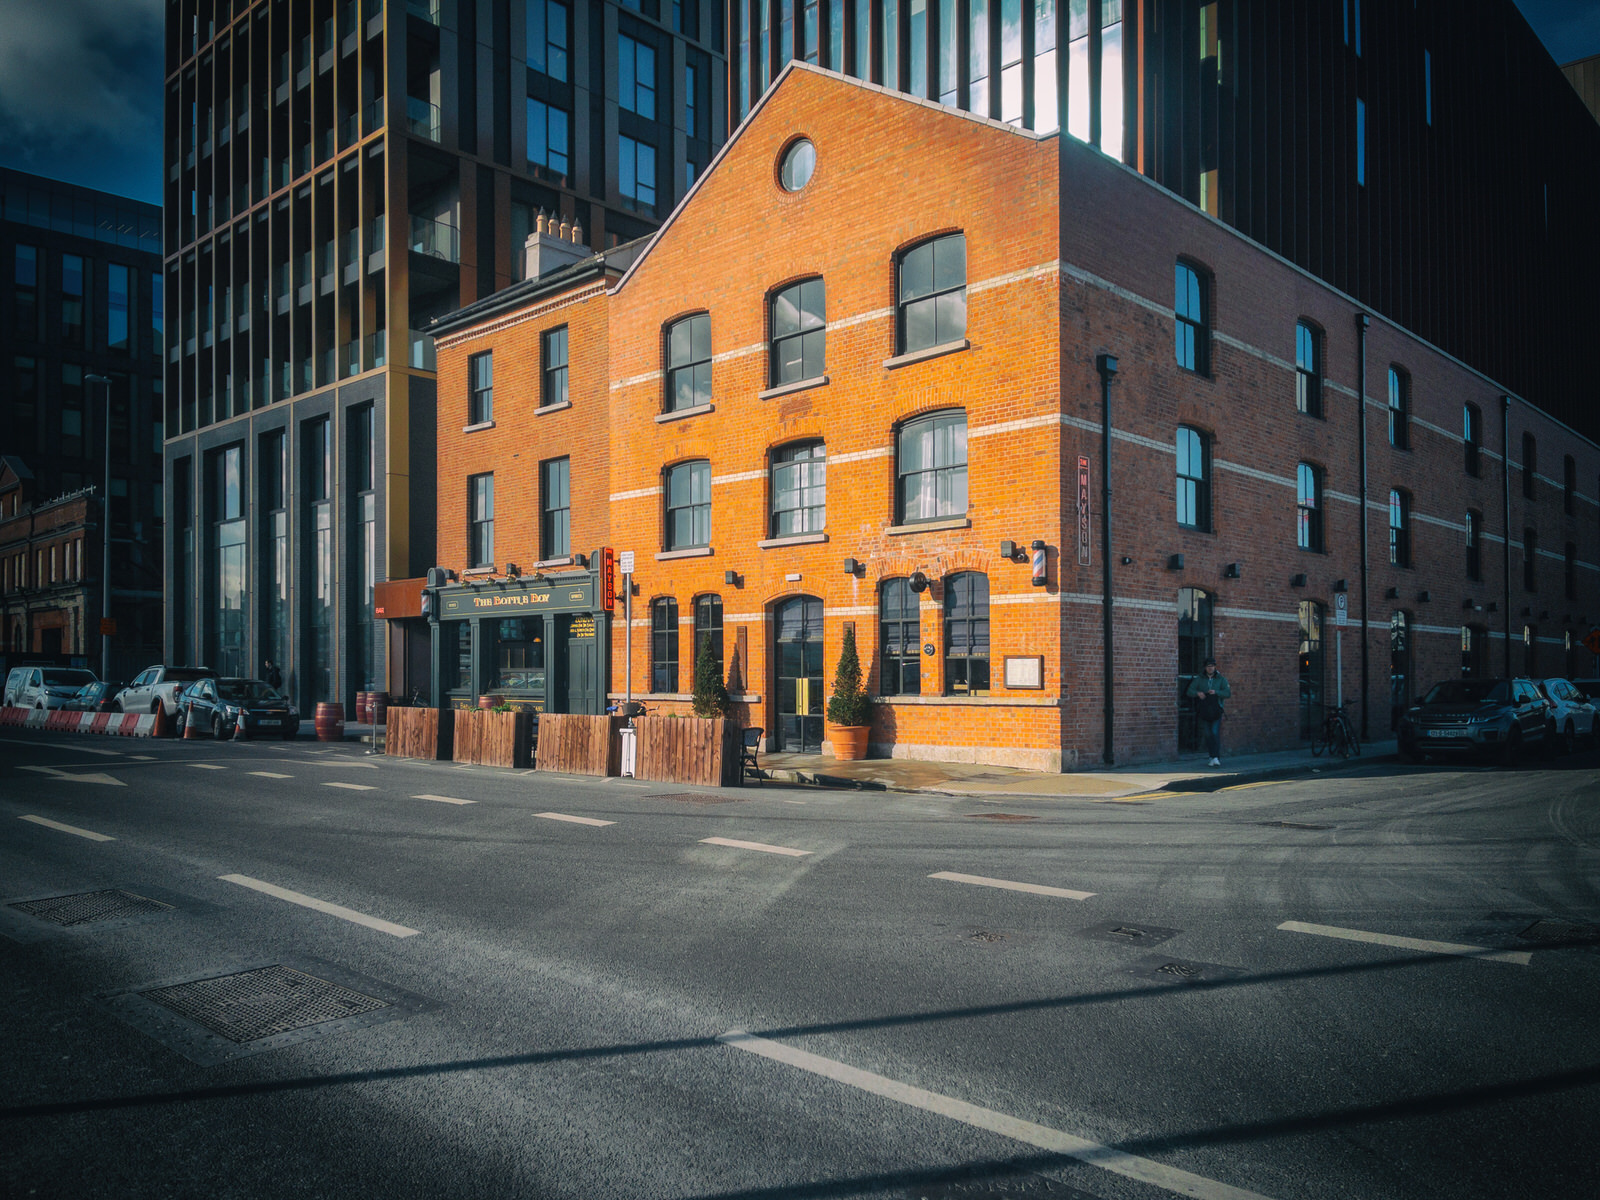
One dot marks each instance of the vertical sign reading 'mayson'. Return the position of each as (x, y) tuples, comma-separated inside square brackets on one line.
[(1083, 509)]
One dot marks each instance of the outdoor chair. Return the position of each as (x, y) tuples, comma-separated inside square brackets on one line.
[(747, 755)]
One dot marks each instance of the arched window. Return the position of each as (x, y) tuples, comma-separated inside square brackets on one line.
[(931, 467), (1399, 528), (931, 299), (708, 627), (1194, 647), (799, 489), (1472, 437), (966, 634), (1308, 502), (688, 494), (1308, 369), (664, 645), (1400, 666), (1194, 478), (899, 639), (1191, 306), (1399, 409), (799, 333), (1474, 551), (689, 363), (1311, 615)]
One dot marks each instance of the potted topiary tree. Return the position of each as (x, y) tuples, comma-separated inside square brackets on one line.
[(849, 708), (710, 695)]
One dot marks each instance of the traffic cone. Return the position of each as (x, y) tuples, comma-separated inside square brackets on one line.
[(163, 725), (238, 729), (189, 730)]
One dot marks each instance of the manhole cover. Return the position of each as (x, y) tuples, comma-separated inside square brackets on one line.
[(1127, 934), (985, 935), (1181, 969), (1551, 929), (1177, 970), (85, 907), (696, 797), (1003, 816), (263, 1002)]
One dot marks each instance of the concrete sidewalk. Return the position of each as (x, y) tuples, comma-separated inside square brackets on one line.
[(1188, 774)]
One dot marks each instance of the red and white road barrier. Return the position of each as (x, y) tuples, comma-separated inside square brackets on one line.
[(123, 724)]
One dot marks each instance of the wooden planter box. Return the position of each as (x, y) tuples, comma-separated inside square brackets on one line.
[(493, 739), (421, 733), (687, 750), (578, 744)]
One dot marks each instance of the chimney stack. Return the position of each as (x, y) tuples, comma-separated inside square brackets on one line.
[(554, 243)]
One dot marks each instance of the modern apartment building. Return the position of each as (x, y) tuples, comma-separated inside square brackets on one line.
[(1422, 156), (338, 174), (81, 400)]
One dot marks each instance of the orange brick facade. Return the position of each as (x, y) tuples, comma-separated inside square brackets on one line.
[(1068, 256)]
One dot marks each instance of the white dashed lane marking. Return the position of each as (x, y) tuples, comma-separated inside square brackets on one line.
[(574, 820), (335, 910), (354, 787), (762, 846), (271, 775), (1520, 958), (1038, 889), (72, 829), (1056, 1141), (443, 799), (207, 767)]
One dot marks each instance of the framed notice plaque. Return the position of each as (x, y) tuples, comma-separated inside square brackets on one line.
[(1025, 671)]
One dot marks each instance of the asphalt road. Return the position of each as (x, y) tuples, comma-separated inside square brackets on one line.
[(1380, 983)]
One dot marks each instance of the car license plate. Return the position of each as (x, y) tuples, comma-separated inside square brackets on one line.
[(1450, 733), (269, 721)]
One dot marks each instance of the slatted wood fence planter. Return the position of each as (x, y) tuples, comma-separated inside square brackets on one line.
[(493, 739), (687, 750), (579, 744), (421, 733)]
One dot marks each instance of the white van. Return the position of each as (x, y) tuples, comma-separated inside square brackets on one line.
[(44, 687)]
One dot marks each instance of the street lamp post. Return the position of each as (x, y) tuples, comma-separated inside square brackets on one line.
[(105, 535)]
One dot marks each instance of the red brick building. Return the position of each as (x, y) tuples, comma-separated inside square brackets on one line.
[(49, 570), (860, 374)]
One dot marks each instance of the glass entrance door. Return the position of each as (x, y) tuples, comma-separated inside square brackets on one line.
[(799, 653)]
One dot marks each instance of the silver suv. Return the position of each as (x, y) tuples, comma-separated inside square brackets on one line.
[(158, 687)]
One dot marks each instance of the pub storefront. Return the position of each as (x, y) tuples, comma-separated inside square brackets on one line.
[(539, 644)]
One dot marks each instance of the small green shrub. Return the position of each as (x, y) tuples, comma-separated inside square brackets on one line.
[(849, 704)]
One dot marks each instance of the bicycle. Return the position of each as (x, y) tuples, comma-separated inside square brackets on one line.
[(1336, 735)]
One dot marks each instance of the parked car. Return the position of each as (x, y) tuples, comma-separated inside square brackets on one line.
[(1494, 716), (157, 687), (45, 687), (1589, 687), (224, 705), (97, 697), (1572, 713)]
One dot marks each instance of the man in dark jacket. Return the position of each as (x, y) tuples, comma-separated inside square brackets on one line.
[(271, 676), (1208, 691)]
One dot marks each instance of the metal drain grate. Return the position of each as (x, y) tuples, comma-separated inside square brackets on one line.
[(1127, 934), (696, 797), (1180, 969), (85, 907), (985, 935), (1002, 817), (1551, 929), (261, 1003)]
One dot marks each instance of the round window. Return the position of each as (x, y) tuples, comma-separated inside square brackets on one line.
[(799, 160)]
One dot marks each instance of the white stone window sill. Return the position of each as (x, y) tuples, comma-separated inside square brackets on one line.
[(546, 409), (477, 427), (799, 385), (690, 552), (927, 352), (929, 526), (798, 539), (663, 418), (975, 701)]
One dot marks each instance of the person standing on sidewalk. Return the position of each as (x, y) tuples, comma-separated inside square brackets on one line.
[(271, 676), (1208, 691)]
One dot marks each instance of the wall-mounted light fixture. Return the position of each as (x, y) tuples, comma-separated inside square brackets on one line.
[(1231, 571), (731, 578), (1339, 585), (512, 570), (919, 582), (1392, 593), (580, 560), (1126, 561), (851, 566), (1297, 581), (1424, 596), (1174, 562), (1467, 602), (1492, 606), (1008, 550)]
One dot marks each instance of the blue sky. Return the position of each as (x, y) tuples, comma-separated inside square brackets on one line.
[(81, 84)]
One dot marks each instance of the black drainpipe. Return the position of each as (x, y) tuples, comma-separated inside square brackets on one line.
[(1505, 564), (1361, 336), (1106, 364)]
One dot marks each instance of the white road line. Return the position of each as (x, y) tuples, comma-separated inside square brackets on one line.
[(75, 776), (443, 799), (574, 820), (343, 762), (83, 833), (354, 787), (1520, 958), (755, 846), (1038, 889), (335, 910), (1056, 1141), (207, 767), (271, 775), (142, 757), (97, 750)]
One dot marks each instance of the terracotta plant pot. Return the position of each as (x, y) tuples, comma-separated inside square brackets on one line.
[(849, 741)]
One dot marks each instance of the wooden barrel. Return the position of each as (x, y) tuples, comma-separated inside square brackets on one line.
[(330, 721), (363, 707), (487, 702), (380, 708)]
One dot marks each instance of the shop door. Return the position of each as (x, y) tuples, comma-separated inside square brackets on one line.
[(573, 687), (799, 675), (1194, 647)]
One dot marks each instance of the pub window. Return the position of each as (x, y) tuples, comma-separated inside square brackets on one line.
[(899, 639), (931, 467), (1194, 478), (708, 627), (1399, 409), (799, 333), (1308, 488), (480, 541), (664, 645), (689, 363), (799, 489), (931, 302), (555, 499), (688, 505), (1308, 369), (966, 634), (1192, 317)]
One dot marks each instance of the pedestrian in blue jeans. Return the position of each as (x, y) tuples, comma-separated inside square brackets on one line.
[(1208, 691)]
